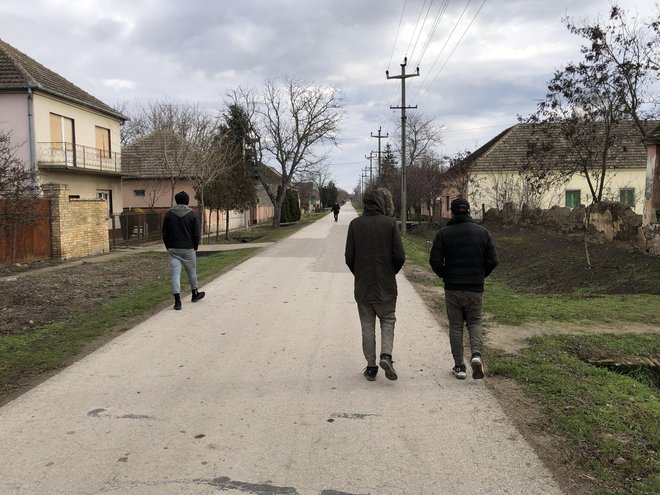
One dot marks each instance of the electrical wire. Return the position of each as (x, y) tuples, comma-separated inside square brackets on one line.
[(416, 26), (459, 42), (430, 71), (396, 37), (421, 30), (436, 23)]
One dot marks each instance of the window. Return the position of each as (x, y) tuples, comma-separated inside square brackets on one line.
[(627, 196), (62, 138), (138, 193), (106, 195), (572, 198), (102, 142)]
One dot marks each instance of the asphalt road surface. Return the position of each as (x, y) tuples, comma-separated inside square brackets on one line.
[(258, 389)]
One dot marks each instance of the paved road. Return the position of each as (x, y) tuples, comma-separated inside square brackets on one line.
[(258, 390)]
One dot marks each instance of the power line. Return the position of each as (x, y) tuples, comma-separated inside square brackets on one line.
[(443, 48), (421, 29), (459, 42), (436, 23), (396, 37), (415, 30)]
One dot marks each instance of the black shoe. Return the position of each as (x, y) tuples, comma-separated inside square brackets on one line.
[(459, 371), (386, 364), (477, 367), (177, 301), (197, 296), (370, 372)]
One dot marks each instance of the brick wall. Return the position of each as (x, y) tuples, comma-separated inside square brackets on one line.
[(78, 227)]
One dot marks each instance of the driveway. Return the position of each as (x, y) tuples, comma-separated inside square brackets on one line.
[(258, 389)]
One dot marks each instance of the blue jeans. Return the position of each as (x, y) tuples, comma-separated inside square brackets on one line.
[(187, 258), (464, 307)]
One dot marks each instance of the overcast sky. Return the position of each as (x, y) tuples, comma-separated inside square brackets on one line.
[(481, 62)]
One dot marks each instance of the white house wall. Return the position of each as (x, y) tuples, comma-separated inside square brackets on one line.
[(14, 119)]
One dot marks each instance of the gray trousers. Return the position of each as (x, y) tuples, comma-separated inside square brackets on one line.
[(188, 259), (464, 307), (385, 313)]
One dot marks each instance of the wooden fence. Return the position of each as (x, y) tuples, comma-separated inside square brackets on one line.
[(24, 231)]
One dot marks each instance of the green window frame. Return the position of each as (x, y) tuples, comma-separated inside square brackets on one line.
[(573, 198), (627, 196)]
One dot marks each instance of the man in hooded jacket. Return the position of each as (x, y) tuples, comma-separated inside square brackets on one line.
[(181, 235), (463, 255), (374, 254)]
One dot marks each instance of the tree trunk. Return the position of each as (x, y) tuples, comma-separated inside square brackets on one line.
[(227, 225), (217, 224)]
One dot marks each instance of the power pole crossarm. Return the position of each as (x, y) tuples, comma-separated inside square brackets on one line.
[(403, 107)]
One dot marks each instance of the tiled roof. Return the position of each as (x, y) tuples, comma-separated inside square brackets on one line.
[(508, 150), (654, 136), (18, 71), (143, 158)]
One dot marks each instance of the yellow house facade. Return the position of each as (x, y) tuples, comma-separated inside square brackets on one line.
[(496, 176)]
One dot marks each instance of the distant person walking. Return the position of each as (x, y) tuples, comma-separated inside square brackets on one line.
[(463, 255), (181, 235), (335, 210), (374, 254)]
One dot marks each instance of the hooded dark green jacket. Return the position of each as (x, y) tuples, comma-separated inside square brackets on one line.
[(374, 252)]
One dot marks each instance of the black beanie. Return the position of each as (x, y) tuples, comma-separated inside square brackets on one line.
[(460, 206), (182, 198)]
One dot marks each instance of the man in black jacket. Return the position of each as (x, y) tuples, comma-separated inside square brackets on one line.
[(374, 254), (463, 255), (181, 235)]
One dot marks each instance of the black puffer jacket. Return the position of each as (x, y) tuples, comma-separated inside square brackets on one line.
[(463, 255), (374, 252), (181, 230)]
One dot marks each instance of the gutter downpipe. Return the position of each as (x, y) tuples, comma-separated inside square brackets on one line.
[(32, 143)]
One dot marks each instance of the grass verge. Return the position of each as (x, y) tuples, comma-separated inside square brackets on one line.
[(510, 306), (28, 355), (610, 423)]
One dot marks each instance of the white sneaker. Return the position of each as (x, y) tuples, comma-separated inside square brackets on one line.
[(477, 368)]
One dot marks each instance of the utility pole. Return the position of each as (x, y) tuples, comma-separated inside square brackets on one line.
[(403, 107), (371, 175), (379, 137)]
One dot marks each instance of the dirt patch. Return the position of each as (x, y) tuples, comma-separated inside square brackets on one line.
[(37, 298)]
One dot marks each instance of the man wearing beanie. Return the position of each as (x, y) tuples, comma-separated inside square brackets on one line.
[(463, 255), (181, 235)]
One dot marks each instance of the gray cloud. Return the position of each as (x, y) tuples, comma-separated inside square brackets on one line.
[(197, 50)]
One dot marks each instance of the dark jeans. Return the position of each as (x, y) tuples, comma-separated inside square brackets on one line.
[(386, 314), (464, 307)]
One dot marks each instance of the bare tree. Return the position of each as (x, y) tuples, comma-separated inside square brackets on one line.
[(180, 134), (290, 123), (17, 185), (422, 137), (153, 188), (584, 121), (626, 51)]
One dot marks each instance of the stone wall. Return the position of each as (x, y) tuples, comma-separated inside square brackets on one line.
[(78, 227), (607, 221)]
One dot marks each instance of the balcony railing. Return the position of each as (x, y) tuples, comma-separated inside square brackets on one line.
[(77, 156)]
